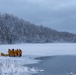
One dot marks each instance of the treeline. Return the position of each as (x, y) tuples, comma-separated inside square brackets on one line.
[(16, 30)]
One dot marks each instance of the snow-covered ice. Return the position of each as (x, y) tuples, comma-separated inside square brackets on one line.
[(43, 49), (15, 65)]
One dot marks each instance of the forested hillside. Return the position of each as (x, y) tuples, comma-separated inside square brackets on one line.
[(16, 30)]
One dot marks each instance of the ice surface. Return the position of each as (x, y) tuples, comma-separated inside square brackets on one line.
[(43, 49), (15, 65)]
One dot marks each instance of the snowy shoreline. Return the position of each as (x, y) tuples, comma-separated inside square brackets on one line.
[(16, 65)]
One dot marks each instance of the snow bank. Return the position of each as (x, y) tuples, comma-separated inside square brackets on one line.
[(15, 66), (14, 69)]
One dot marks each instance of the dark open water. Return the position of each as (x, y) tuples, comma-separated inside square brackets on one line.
[(56, 65)]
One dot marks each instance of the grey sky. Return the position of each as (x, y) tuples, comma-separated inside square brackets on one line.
[(57, 14)]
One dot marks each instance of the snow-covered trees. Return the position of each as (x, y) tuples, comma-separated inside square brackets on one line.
[(15, 30)]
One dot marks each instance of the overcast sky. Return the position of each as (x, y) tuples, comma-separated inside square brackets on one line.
[(57, 14)]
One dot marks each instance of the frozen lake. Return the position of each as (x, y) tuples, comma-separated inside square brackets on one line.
[(57, 65), (57, 59)]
